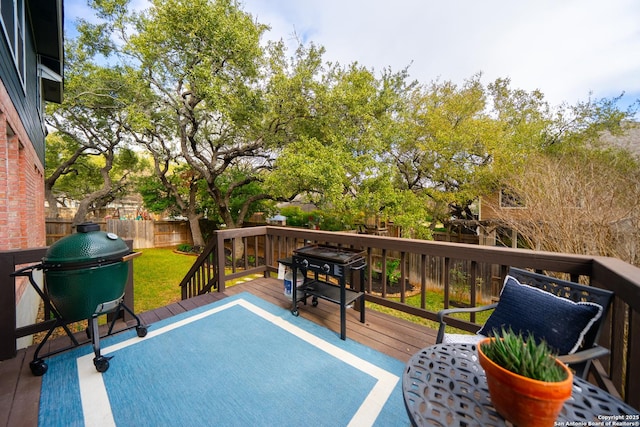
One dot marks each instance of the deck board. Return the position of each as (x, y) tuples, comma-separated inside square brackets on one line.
[(398, 338)]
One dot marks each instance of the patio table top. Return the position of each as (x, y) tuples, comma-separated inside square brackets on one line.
[(444, 384)]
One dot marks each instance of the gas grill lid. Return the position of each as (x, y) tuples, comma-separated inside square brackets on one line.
[(338, 255), (87, 248)]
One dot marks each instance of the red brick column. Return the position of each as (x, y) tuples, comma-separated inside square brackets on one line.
[(4, 183), (22, 221), (22, 215)]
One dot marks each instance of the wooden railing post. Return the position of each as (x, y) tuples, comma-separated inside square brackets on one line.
[(632, 386), (447, 288), (221, 260), (7, 307), (8, 331), (128, 291), (268, 253)]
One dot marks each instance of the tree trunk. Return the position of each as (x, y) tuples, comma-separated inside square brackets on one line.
[(52, 210), (81, 213), (85, 204), (196, 232), (238, 246)]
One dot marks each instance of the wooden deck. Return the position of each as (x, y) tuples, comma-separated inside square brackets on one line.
[(20, 390)]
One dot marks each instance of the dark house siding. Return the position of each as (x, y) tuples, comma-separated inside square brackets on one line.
[(25, 104), (42, 35)]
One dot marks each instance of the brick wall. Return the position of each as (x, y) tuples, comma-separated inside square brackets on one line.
[(22, 217)]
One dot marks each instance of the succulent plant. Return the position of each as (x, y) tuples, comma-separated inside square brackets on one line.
[(524, 356)]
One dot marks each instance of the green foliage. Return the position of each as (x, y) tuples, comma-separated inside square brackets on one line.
[(203, 60), (296, 217), (76, 171), (336, 134), (523, 356), (450, 148), (253, 125), (76, 179), (242, 200), (96, 162), (336, 221), (581, 125), (155, 196), (184, 247), (324, 220), (460, 283), (393, 270)]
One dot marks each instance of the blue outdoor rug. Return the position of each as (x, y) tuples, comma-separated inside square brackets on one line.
[(237, 362)]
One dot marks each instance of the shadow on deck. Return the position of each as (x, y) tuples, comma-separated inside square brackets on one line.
[(398, 338)]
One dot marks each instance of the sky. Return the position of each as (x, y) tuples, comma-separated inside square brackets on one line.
[(570, 50)]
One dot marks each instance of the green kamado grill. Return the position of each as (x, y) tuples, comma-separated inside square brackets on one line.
[(86, 272), (85, 276)]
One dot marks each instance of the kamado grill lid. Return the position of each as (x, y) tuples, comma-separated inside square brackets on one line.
[(87, 246)]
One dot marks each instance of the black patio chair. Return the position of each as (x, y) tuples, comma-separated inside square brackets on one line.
[(568, 315)]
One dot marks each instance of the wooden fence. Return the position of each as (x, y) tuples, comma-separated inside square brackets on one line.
[(57, 228), (145, 234)]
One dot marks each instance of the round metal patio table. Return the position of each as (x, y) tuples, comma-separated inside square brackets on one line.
[(444, 385)]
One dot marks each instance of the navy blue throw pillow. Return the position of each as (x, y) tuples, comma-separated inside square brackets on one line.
[(562, 323)]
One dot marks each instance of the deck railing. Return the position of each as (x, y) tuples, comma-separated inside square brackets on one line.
[(239, 252)]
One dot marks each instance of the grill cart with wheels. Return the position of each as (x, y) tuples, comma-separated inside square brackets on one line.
[(337, 265), (85, 276)]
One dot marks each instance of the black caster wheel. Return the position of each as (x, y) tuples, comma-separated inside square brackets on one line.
[(314, 302), (295, 313), (38, 367), (101, 363), (141, 331)]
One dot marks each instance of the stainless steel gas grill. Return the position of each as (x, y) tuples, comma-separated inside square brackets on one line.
[(331, 262)]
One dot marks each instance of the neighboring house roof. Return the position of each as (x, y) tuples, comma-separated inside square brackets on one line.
[(47, 20)]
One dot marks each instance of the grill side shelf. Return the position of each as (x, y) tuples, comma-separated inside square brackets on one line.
[(328, 291)]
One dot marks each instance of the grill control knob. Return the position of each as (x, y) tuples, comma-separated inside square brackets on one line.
[(326, 268), (305, 263)]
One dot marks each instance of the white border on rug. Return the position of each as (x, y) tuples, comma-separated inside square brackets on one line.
[(95, 401)]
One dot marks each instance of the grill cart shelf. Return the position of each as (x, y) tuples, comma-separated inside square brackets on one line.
[(328, 291), (336, 262)]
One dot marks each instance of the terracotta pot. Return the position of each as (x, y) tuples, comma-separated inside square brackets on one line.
[(521, 400)]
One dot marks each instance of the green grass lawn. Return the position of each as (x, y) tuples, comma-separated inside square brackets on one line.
[(156, 276)]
